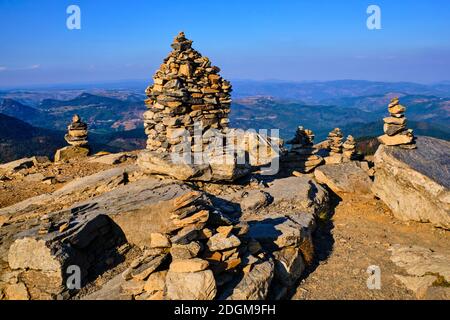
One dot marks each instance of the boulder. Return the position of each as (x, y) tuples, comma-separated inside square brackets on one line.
[(415, 183), (191, 285), (221, 242), (344, 177), (71, 152), (289, 265)]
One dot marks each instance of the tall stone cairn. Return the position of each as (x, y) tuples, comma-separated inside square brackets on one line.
[(349, 148), (187, 89), (77, 132), (396, 133), (302, 155)]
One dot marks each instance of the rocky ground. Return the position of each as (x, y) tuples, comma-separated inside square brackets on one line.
[(353, 230), (360, 233)]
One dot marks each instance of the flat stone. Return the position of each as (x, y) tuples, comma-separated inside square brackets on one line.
[(17, 165), (220, 242), (156, 282), (396, 140), (188, 265)]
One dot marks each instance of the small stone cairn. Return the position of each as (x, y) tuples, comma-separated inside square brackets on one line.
[(77, 132), (335, 146), (396, 133), (202, 253), (77, 137), (349, 149), (302, 155)]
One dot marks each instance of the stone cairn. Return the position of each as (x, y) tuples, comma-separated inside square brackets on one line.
[(196, 259), (77, 138), (349, 148), (187, 89), (302, 155), (77, 133), (335, 146), (396, 133)]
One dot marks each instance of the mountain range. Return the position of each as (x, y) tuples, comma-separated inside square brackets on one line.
[(114, 115)]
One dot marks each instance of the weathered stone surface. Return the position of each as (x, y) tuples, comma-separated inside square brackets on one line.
[(111, 159), (163, 164), (289, 265), (186, 251), (418, 285), (220, 242), (17, 165), (70, 153), (255, 199), (302, 191), (17, 291), (159, 240), (398, 139), (254, 285), (191, 285), (279, 231), (188, 265), (419, 261), (156, 282), (415, 183), (344, 177)]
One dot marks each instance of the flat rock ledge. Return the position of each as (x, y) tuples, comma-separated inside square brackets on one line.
[(415, 184)]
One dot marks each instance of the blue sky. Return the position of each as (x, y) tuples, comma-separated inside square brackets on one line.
[(287, 40)]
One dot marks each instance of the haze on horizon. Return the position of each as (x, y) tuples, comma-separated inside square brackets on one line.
[(292, 40)]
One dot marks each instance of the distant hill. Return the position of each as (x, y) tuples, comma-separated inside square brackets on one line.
[(317, 92), (19, 139)]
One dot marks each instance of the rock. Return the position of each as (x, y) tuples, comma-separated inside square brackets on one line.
[(34, 177), (395, 140), (146, 267), (156, 282), (187, 251), (418, 261), (255, 199), (418, 285), (303, 191), (17, 291), (188, 265), (159, 240), (224, 230), (344, 177), (220, 242), (289, 265), (111, 158), (254, 285), (162, 164), (191, 285), (278, 232), (17, 165), (71, 152), (414, 184)]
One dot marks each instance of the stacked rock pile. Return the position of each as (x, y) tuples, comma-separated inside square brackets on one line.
[(396, 133), (203, 252), (349, 148), (77, 132), (187, 90), (77, 138), (335, 146), (302, 155)]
